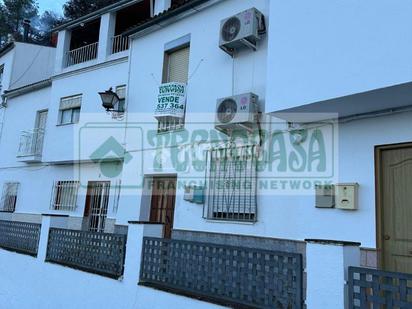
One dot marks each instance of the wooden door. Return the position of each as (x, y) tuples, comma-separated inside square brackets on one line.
[(163, 203), (396, 208), (97, 201)]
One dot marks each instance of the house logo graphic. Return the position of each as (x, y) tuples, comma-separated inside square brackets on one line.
[(110, 155)]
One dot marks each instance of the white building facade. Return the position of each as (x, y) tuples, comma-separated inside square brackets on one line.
[(256, 156)]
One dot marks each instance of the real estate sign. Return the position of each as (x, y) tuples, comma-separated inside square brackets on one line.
[(171, 101)]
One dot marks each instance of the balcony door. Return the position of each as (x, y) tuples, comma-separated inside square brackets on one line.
[(40, 127), (97, 201), (163, 203), (395, 207)]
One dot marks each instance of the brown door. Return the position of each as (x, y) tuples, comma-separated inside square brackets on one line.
[(163, 203), (97, 200), (396, 209)]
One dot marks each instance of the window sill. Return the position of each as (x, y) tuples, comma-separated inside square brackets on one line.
[(7, 211), (66, 124), (171, 132), (230, 221)]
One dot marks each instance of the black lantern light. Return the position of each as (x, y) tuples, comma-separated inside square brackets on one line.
[(110, 101)]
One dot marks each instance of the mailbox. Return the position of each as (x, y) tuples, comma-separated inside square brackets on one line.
[(347, 196)]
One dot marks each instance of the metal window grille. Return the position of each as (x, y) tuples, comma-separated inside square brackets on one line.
[(232, 184), (167, 124), (64, 195), (372, 288), (99, 196), (9, 196)]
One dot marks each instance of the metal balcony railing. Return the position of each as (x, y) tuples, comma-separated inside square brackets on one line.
[(119, 43), (31, 143), (82, 54)]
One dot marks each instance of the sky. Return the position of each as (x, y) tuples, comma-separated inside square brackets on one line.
[(51, 5)]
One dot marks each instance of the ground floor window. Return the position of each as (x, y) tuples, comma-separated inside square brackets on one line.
[(232, 184), (64, 195), (9, 196)]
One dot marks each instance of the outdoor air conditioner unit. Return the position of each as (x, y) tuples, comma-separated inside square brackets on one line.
[(238, 112), (243, 29)]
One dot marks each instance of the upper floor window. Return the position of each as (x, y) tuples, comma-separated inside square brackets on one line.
[(64, 196), (175, 69), (121, 93), (9, 196), (69, 111)]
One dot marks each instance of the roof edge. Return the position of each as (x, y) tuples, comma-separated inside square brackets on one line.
[(6, 48), (164, 16), (27, 88)]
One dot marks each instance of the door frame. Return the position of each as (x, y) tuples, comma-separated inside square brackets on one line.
[(87, 203), (379, 196), (163, 176)]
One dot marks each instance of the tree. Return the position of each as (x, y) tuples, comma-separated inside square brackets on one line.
[(77, 8), (13, 12)]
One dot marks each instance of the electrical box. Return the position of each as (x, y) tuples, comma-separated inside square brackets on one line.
[(194, 194), (325, 196), (347, 196)]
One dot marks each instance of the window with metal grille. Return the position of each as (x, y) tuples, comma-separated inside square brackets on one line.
[(70, 109), (9, 196), (176, 69), (64, 195), (232, 184)]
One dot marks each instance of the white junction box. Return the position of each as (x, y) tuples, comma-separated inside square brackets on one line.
[(346, 196)]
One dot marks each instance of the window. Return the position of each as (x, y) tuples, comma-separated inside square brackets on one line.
[(70, 109), (9, 197), (176, 69), (64, 195), (232, 184), (121, 93)]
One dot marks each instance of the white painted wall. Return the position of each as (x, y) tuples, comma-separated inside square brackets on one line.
[(325, 49), (7, 61), (32, 63)]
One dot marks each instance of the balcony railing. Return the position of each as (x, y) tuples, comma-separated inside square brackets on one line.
[(31, 143), (98, 253), (21, 237), (231, 276), (82, 54), (119, 43)]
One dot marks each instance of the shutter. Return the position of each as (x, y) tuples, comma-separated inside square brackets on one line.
[(178, 65), (71, 102)]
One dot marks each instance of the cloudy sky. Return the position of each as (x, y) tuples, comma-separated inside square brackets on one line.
[(52, 5)]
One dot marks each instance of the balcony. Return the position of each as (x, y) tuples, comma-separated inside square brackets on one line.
[(31, 145), (119, 43), (227, 275), (82, 54)]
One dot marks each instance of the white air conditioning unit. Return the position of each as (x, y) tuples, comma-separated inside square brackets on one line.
[(238, 112), (243, 29)]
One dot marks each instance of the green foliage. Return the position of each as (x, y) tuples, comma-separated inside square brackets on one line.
[(76, 8)]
